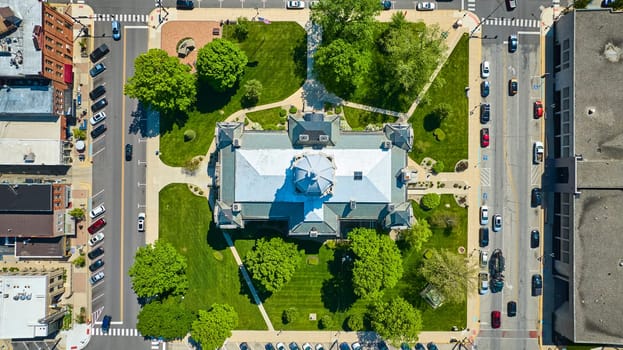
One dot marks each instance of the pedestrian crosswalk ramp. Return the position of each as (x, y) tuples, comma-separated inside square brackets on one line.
[(471, 5), (511, 22), (109, 17), (117, 332)]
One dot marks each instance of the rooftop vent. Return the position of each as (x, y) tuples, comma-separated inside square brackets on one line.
[(358, 176), (236, 207), (391, 207), (353, 205), (303, 137), (237, 143), (323, 138), (387, 144), (313, 233)]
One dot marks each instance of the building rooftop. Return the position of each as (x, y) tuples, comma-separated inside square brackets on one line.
[(17, 102), (18, 56), (25, 198), (50, 247), (25, 305)]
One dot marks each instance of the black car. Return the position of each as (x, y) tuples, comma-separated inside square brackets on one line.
[(95, 253), (98, 131), (484, 237), (184, 5), (484, 88), (419, 346), (535, 198), (269, 346), (511, 309), (244, 346), (497, 262), (97, 92), (534, 238), (99, 105), (98, 53), (537, 285), (485, 113), (432, 346), (96, 265), (128, 155)]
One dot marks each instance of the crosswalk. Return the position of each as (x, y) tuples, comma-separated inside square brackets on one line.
[(511, 22), (109, 17), (485, 176), (471, 5), (117, 332)]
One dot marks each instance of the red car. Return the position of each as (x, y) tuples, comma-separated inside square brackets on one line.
[(484, 137), (538, 109), (96, 226), (496, 321)]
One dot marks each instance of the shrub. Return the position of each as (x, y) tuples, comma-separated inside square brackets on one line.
[(283, 113), (581, 4), (325, 322), (430, 201), (218, 256), (241, 30), (338, 110), (289, 315), (438, 167), (80, 261), (189, 135), (191, 165), (253, 92), (293, 109), (355, 322), (440, 135)]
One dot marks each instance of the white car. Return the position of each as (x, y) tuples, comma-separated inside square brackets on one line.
[(484, 258), (97, 118), (484, 215), (96, 238), (356, 346), (485, 69), (484, 283), (97, 211), (141, 222), (97, 277), (307, 346), (296, 5), (425, 6)]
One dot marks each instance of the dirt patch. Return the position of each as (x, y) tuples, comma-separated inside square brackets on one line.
[(199, 31)]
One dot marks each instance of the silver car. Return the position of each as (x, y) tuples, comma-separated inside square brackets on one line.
[(425, 6), (295, 5)]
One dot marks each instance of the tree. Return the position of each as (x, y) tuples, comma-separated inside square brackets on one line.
[(377, 263), (341, 66), (430, 201), (452, 274), (418, 234), (168, 320), (241, 29), (221, 64), (398, 321), (355, 322), (79, 134), (77, 214), (289, 315), (158, 270), (272, 263), (617, 5), (253, 92), (346, 19), (162, 82), (214, 326), (438, 167)]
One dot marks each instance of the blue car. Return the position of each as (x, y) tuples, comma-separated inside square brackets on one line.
[(116, 30), (484, 88), (512, 43)]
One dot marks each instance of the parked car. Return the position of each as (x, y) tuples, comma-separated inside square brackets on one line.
[(98, 117), (497, 223), (381, 345), (537, 285), (497, 264), (116, 30), (294, 346), (97, 70), (99, 53), (512, 87), (106, 321), (484, 237), (95, 133), (484, 215), (607, 3), (405, 346), (535, 197), (511, 309), (485, 69), (344, 346), (319, 347), (485, 113), (483, 279), (95, 253), (538, 109), (419, 346), (355, 346), (184, 5), (432, 346), (96, 226), (534, 238), (496, 321), (484, 258), (484, 88), (96, 238), (295, 5), (425, 6), (387, 4), (97, 211), (99, 105), (243, 346), (97, 92), (281, 346), (128, 152), (141, 224), (269, 346), (96, 278), (511, 4), (484, 137), (512, 43), (96, 265), (307, 346)]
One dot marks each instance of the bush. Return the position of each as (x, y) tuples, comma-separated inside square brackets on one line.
[(325, 322), (253, 92), (218, 256), (338, 110), (430, 201), (289, 315), (438, 167), (189, 135), (293, 109), (440, 135), (581, 4), (283, 113), (241, 30), (192, 165), (80, 261), (355, 322)]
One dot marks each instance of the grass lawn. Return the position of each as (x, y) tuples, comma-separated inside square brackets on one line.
[(358, 119), (453, 148), (186, 222), (277, 58), (268, 118), (409, 287)]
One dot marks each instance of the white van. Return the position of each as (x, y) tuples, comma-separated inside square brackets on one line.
[(97, 211)]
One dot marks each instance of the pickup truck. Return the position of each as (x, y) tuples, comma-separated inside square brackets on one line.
[(538, 152)]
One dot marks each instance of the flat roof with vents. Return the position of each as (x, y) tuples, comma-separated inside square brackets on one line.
[(23, 302)]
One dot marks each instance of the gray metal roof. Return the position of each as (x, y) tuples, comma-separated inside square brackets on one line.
[(20, 42)]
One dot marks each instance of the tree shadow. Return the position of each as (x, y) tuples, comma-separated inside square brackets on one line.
[(431, 121), (168, 120), (337, 292), (210, 100), (299, 57)]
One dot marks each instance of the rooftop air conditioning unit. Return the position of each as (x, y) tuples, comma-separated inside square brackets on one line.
[(313, 233), (323, 138), (353, 205), (391, 207), (303, 137), (387, 144), (236, 207), (237, 143)]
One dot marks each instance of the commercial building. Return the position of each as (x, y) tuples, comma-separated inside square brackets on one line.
[(314, 177), (28, 303), (587, 176)]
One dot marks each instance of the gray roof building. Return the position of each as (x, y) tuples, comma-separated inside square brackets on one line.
[(314, 176)]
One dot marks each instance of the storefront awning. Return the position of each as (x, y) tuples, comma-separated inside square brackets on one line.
[(68, 74)]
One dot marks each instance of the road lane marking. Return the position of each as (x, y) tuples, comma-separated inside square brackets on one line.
[(98, 152), (121, 235), (529, 33), (97, 297)]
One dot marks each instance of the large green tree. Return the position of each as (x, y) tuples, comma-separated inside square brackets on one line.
[(342, 66), (162, 82), (158, 270), (351, 20), (452, 274), (396, 320), (214, 326), (221, 64), (167, 319), (418, 234), (272, 263), (377, 264)]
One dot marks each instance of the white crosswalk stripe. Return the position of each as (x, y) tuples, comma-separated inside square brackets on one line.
[(485, 176), (556, 3), (117, 332), (471, 5), (512, 22), (155, 345), (120, 17)]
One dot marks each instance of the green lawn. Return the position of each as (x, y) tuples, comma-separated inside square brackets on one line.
[(268, 118), (186, 222), (277, 58), (358, 119), (453, 148), (409, 287)]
